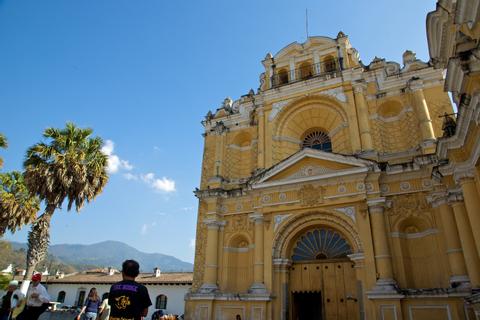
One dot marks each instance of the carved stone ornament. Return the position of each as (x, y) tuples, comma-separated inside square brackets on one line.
[(238, 223), (279, 219), (409, 205), (219, 128), (310, 195)]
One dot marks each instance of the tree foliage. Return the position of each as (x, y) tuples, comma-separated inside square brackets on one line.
[(17, 206), (3, 144), (69, 166)]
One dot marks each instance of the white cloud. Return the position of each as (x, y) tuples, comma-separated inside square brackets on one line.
[(146, 227), (188, 208), (130, 176), (164, 184), (192, 243), (114, 161)]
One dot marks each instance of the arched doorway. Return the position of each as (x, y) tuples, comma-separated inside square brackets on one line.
[(312, 267), (322, 278)]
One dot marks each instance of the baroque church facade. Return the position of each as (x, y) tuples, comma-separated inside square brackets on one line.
[(322, 195)]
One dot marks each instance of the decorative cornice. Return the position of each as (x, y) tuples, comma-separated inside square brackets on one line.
[(415, 235)]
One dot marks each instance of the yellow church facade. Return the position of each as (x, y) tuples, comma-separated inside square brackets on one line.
[(322, 195)]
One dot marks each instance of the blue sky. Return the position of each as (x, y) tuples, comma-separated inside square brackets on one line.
[(143, 74)]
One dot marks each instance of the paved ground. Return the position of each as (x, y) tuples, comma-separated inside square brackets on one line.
[(58, 315)]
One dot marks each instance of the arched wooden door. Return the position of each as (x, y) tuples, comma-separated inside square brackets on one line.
[(322, 279)]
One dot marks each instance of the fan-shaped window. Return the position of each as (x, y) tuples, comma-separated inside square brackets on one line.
[(317, 140), (161, 302), (320, 244), (61, 297)]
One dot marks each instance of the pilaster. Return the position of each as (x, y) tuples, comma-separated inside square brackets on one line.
[(386, 284), (458, 271), (423, 114), (258, 286), (362, 113), (472, 261), (472, 202), (210, 279)]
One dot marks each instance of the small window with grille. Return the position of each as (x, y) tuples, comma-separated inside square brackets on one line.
[(161, 302), (317, 139)]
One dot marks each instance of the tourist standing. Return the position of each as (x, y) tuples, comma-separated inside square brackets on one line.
[(91, 306), (104, 312), (38, 300), (6, 302), (17, 302), (129, 299)]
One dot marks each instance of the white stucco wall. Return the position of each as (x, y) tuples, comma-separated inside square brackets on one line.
[(175, 294)]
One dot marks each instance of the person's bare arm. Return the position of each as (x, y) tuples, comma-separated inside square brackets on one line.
[(145, 312), (81, 312)]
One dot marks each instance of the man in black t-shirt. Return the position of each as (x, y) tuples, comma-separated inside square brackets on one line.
[(129, 300)]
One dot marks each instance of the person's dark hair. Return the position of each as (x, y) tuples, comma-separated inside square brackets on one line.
[(130, 268)]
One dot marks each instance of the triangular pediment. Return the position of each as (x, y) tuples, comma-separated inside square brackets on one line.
[(311, 164)]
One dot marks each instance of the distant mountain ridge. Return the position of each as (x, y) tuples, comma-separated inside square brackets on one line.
[(112, 254)]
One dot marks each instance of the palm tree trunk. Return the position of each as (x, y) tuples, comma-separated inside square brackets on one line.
[(38, 240)]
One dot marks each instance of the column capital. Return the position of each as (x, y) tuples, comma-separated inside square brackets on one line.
[(256, 217), (282, 264), (360, 87), (358, 258), (455, 196), (214, 224), (437, 199), (415, 85), (464, 175), (376, 205)]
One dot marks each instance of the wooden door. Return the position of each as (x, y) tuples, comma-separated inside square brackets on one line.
[(334, 284)]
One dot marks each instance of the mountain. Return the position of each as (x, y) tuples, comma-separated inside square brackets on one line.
[(112, 254)]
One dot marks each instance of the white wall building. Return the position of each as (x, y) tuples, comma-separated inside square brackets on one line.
[(167, 290)]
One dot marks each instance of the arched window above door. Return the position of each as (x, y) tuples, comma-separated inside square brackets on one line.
[(320, 244), (317, 139)]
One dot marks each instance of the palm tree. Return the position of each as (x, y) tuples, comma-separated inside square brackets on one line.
[(3, 144), (69, 166), (17, 206)]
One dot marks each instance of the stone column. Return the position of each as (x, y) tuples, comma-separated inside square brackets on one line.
[(383, 259), (362, 113), (316, 63), (293, 76), (472, 261), (211, 257), (421, 110), (472, 204), (258, 285), (261, 139), (282, 268), (458, 272), (352, 122), (359, 261)]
